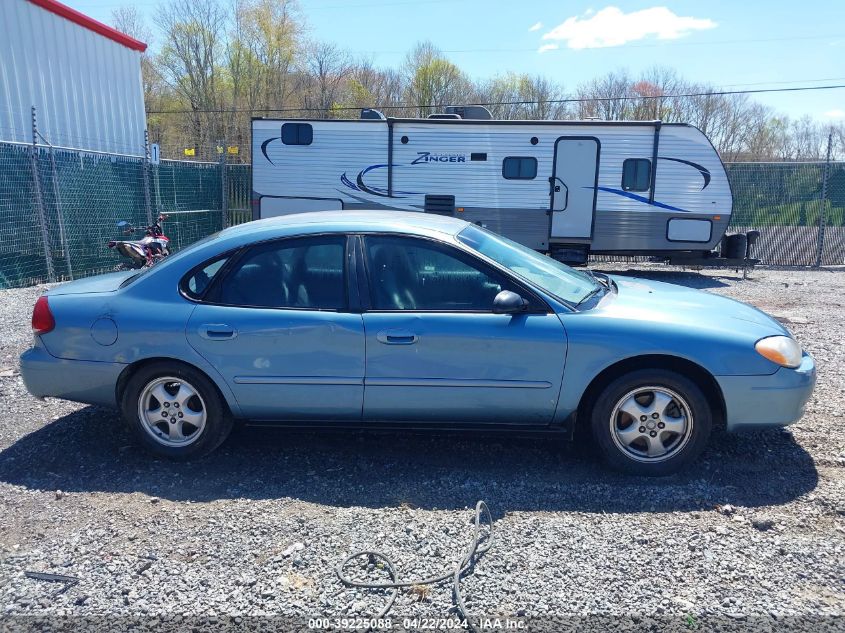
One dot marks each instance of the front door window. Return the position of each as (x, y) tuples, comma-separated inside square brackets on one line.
[(415, 275)]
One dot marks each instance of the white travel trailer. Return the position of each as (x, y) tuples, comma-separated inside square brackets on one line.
[(565, 187)]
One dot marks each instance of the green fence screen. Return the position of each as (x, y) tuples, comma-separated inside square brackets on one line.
[(791, 204), (60, 207)]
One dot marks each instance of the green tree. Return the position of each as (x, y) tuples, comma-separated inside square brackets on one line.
[(433, 80), (190, 62)]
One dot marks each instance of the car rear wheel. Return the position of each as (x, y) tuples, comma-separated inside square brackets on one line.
[(175, 411), (651, 422)]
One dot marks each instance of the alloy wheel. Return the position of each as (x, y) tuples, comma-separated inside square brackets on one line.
[(651, 424), (172, 411)]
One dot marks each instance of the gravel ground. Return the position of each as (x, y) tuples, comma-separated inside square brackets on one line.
[(755, 531)]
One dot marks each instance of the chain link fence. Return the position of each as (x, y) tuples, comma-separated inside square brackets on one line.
[(239, 193), (798, 208), (60, 207)]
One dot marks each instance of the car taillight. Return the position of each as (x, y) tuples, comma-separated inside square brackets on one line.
[(42, 318)]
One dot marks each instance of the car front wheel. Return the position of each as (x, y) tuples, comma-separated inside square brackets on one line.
[(175, 411), (651, 422)]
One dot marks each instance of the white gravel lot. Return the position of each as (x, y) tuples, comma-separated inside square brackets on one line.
[(754, 533)]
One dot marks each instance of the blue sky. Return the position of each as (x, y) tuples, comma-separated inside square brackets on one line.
[(729, 43)]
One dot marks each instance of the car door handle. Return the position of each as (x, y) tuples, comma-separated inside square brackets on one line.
[(217, 331), (397, 337)]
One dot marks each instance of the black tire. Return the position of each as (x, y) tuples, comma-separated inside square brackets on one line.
[(695, 415), (217, 424)]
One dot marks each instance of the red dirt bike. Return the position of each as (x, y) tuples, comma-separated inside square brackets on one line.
[(143, 253)]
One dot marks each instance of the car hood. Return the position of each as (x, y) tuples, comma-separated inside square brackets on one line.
[(97, 284), (658, 302)]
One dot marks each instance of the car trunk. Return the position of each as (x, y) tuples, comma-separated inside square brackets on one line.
[(97, 284)]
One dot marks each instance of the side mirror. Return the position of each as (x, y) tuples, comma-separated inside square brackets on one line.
[(507, 302)]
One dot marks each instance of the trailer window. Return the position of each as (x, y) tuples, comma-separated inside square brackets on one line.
[(297, 133), (636, 174), (519, 168)]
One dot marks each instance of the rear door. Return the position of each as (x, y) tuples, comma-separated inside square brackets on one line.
[(574, 185), (436, 352), (277, 326)]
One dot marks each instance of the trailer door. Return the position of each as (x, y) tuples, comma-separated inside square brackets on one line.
[(574, 185)]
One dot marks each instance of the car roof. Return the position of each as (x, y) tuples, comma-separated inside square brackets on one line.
[(294, 224), (347, 221)]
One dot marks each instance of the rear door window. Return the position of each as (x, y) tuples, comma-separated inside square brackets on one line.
[(303, 273)]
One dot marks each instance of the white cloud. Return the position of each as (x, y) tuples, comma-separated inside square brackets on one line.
[(545, 48), (536, 27), (838, 113), (612, 27)]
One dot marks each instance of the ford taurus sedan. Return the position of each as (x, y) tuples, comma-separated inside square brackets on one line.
[(410, 320)]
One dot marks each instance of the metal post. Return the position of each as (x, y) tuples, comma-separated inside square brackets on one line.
[(59, 213), (39, 202), (224, 188), (148, 207), (823, 206)]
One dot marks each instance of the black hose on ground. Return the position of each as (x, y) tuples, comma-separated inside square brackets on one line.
[(481, 542)]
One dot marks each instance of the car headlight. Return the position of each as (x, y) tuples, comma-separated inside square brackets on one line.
[(782, 350)]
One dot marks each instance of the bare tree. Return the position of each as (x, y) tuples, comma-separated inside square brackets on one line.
[(190, 61), (326, 68), (369, 87), (521, 96), (838, 134), (544, 99), (130, 21), (605, 97), (808, 139)]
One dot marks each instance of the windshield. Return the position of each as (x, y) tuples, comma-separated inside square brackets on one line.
[(544, 272)]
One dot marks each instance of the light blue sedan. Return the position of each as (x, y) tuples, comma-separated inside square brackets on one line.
[(410, 320)]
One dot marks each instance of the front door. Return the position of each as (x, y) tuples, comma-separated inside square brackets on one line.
[(436, 352), (574, 186), (277, 327)]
